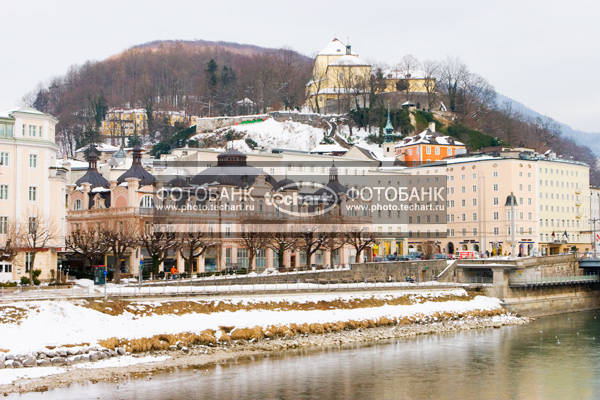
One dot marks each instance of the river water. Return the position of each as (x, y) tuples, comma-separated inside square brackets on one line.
[(554, 357)]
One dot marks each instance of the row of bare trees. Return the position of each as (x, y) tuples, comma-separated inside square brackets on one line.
[(190, 241)]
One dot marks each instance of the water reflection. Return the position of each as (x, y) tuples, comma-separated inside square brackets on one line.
[(552, 358)]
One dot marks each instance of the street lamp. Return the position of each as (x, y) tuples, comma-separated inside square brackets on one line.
[(511, 201)]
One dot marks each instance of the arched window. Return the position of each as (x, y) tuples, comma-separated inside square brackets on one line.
[(77, 205), (147, 202)]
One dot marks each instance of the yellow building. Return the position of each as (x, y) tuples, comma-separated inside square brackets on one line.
[(340, 80)]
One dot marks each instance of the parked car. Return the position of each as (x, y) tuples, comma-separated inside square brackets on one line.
[(391, 257), (439, 256), (377, 259), (415, 256)]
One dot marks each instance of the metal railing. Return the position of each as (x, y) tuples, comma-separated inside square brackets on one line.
[(552, 280), (481, 280), (197, 287)]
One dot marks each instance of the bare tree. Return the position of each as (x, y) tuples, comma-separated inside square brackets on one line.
[(408, 67), (334, 236), (10, 240), (281, 238), (311, 238), (317, 79), (255, 236), (360, 239), (192, 241), (37, 234), (453, 74), (120, 236), (430, 70), (158, 241), (88, 241)]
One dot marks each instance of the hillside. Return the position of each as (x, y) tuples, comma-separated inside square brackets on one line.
[(198, 77), (589, 139)]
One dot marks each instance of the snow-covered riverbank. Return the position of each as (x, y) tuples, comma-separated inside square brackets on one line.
[(188, 332)]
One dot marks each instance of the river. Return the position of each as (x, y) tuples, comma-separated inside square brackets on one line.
[(555, 357)]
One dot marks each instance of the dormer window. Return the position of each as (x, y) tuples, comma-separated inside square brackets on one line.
[(77, 206)]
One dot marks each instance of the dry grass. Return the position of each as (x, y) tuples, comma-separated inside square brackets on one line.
[(118, 307), (12, 315), (256, 333), (161, 342)]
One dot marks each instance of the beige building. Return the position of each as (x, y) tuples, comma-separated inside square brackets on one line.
[(552, 203), (32, 188), (564, 205)]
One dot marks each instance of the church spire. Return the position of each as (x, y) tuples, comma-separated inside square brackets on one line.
[(389, 129), (348, 47)]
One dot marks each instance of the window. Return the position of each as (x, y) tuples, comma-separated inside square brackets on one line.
[(463, 202), (3, 192), (496, 215), (474, 216), (449, 151), (32, 225), (28, 261), (474, 231), (4, 158), (242, 257), (33, 161), (495, 201), (495, 174), (261, 259), (32, 193), (496, 231), (40, 130), (437, 151), (495, 187), (3, 225), (77, 205), (31, 130), (147, 202), (474, 202)]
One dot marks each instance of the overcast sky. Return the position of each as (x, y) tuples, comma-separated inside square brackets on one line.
[(543, 53)]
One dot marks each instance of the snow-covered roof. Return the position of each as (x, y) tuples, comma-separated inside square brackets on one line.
[(22, 109), (402, 74), (335, 90), (75, 164), (429, 137), (328, 148), (349, 60), (333, 48), (245, 101), (103, 147)]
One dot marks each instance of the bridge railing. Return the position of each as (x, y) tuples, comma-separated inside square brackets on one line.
[(552, 280)]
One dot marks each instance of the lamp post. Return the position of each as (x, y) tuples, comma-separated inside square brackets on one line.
[(511, 201)]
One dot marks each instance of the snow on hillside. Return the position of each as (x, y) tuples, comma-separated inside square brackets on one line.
[(359, 138), (271, 133)]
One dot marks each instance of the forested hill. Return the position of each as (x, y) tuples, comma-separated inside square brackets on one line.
[(198, 77)]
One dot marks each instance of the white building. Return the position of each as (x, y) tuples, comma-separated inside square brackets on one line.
[(32, 188)]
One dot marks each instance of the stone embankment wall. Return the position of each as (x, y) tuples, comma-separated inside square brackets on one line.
[(380, 272), (537, 300)]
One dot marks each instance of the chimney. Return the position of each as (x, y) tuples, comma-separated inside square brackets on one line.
[(432, 126)]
